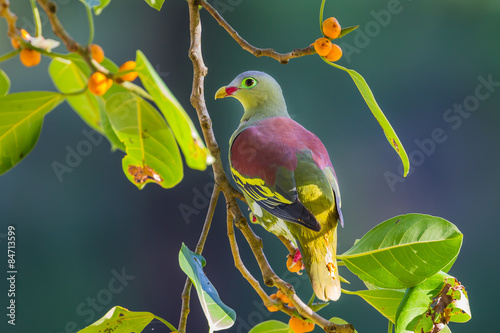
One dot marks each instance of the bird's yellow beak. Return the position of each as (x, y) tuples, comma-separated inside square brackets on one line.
[(225, 91), (221, 93)]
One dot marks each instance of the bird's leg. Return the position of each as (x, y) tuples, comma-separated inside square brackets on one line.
[(294, 261)]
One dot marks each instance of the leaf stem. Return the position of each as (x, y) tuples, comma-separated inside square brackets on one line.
[(170, 326), (9, 55), (390, 328), (90, 18), (36, 17), (321, 8)]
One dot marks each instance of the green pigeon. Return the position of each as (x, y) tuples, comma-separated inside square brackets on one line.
[(287, 178)]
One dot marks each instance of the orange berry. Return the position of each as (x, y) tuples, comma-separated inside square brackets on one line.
[(323, 46), (128, 66), (331, 27), (25, 34), (97, 53), (99, 83), (335, 54), (272, 308), (282, 297), (296, 268), (29, 57), (15, 43), (300, 326)]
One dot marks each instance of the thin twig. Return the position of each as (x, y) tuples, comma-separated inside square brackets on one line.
[(258, 52), (10, 17), (186, 292)]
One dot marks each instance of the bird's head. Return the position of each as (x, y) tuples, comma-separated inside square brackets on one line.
[(258, 92)]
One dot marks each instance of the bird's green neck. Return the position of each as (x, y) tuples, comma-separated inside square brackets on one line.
[(263, 109)]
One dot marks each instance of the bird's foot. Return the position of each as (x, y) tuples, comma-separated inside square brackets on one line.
[(294, 262)]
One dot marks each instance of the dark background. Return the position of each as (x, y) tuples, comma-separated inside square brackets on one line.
[(72, 234)]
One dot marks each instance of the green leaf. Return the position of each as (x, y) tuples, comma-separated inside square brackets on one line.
[(98, 9), (70, 75), (219, 315), (403, 251), (433, 303), (91, 3), (121, 320), (270, 326), (4, 83), (340, 321), (192, 146), (389, 132), (21, 118), (108, 130), (69, 78), (152, 154), (156, 4), (385, 301), (347, 30)]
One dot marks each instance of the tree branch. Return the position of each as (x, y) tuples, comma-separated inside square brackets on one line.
[(221, 180), (186, 293), (281, 57)]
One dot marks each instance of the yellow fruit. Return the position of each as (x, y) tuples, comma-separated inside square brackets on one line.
[(272, 308), (128, 66), (99, 83), (331, 27), (282, 297), (97, 53), (335, 54), (29, 57), (296, 268), (323, 46), (300, 326)]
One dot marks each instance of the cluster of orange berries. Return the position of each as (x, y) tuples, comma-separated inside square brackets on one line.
[(296, 324), (28, 57), (323, 46), (98, 82)]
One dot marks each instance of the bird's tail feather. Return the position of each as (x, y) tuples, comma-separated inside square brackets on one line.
[(320, 259)]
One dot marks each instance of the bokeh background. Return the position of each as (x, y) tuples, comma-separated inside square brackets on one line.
[(74, 236)]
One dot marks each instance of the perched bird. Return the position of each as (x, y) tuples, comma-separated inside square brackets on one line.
[(287, 178)]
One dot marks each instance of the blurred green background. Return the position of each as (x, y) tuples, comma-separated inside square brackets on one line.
[(74, 236)]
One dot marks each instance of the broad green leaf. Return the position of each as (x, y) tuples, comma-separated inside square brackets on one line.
[(340, 321), (4, 83), (192, 146), (433, 303), (404, 251), (152, 153), (156, 4), (219, 315), (271, 326), (21, 118), (389, 132), (121, 320), (100, 8), (108, 129), (68, 77), (385, 301)]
